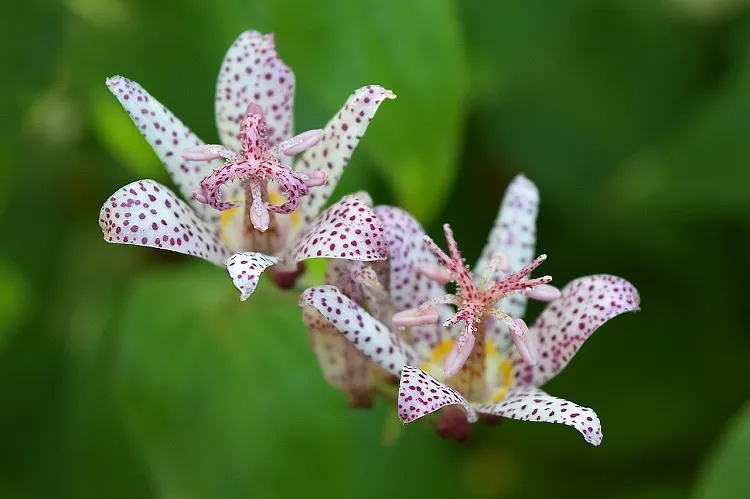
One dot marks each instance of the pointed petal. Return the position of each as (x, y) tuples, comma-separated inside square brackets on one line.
[(514, 232), (420, 394), (408, 287), (565, 324), (514, 236), (343, 366), (367, 334), (532, 404), (252, 71), (349, 229), (406, 250), (245, 270), (146, 213), (342, 134), (168, 137)]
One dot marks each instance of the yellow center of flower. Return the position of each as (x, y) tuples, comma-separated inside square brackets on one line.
[(498, 377), (230, 226), (275, 197)]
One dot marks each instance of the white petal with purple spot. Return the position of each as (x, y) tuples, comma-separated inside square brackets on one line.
[(349, 229), (342, 134), (532, 404), (566, 323), (168, 136), (420, 394), (408, 287), (252, 71), (145, 213), (343, 366), (366, 334), (514, 236), (245, 270)]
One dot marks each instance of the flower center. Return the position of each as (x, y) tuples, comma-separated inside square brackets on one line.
[(256, 167), (475, 301), (498, 379)]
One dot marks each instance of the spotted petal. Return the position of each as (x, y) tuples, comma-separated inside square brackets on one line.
[(349, 229), (514, 236), (343, 366), (168, 136), (245, 270), (419, 394), (146, 213), (366, 334), (566, 323), (532, 404), (409, 288), (252, 71), (342, 134)]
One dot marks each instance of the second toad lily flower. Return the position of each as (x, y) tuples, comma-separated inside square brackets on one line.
[(279, 222), (410, 278), (495, 381)]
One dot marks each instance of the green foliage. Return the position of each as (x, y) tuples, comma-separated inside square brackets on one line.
[(219, 397), (725, 472)]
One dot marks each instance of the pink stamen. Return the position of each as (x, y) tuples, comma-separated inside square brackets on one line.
[(544, 292), (302, 142), (458, 355), (524, 344), (314, 178), (416, 317), (200, 196), (207, 152), (435, 272)]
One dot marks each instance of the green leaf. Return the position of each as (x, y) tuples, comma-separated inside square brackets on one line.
[(725, 473), (13, 299), (118, 133), (225, 399), (678, 176), (569, 91)]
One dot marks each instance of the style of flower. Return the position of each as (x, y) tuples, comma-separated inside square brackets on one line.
[(280, 221), (475, 301), (495, 381)]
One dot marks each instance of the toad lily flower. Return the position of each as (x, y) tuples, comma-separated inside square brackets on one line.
[(247, 207), (410, 278), (495, 381)]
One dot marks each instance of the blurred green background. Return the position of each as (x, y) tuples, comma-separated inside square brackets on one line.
[(129, 372)]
